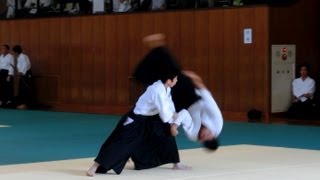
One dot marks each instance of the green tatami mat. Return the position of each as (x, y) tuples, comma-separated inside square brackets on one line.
[(35, 136)]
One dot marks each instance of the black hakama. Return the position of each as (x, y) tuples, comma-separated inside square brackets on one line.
[(159, 147), (132, 140), (25, 89), (6, 88)]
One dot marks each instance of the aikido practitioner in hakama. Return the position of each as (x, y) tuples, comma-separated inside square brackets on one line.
[(151, 125)]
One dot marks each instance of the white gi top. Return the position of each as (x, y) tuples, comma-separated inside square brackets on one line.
[(205, 111), (156, 100), (300, 87), (7, 63), (23, 64)]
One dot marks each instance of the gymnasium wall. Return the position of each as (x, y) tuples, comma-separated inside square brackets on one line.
[(298, 24), (83, 64)]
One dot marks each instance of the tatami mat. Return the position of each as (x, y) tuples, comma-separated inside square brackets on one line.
[(240, 162)]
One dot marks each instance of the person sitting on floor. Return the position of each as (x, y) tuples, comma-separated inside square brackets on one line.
[(303, 89)]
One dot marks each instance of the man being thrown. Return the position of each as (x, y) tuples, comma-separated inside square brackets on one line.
[(190, 93), (207, 120), (151, 119)]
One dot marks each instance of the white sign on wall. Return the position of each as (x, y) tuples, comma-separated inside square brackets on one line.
[(247, 36)]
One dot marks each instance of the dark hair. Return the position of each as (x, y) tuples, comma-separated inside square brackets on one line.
[(6, 46), (158, 64), (168, 72), (306, 65), (17, 49), (211, 144), (183, 93)]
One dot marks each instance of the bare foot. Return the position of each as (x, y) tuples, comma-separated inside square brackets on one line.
[(92, 170), (180, 166), (90, 173)]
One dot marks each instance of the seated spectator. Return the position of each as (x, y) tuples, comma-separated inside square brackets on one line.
[(32, 7), (11, 8), (74, 6), (303, 89), (121, 5), (158, 5), (33, 3), (154, 5)]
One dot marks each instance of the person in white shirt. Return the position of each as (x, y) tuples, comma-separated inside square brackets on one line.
[(11, 8), (303, 89), (207, 121), (153, 5), (25, 77), (191, 94), (158, 5), (33, 8), (6, 76), (151, 119), (121, 5), (33, 3)]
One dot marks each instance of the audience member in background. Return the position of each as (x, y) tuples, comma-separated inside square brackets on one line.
[(33, 3), (124, 5), (158, 5), (303, 89), (11, 8), (25, 78), (31, 6), (6, 76), (154, 5)]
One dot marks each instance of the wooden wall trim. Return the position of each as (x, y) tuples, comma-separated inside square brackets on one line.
[(81, 108), (93, 56), (121, 110)]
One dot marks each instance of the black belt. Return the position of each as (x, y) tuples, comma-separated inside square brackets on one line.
[(138, 117)]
